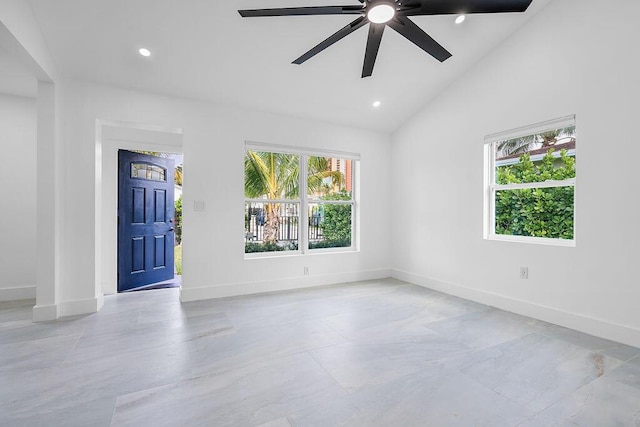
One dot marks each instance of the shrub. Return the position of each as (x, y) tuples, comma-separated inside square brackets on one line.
[(336, 225), (538, 212), (178, 220), (330, 244), (270, 247)]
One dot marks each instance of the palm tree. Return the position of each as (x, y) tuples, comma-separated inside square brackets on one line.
[(177, 175), (527, 143), (275, 176)]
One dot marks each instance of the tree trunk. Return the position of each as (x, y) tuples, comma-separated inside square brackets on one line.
[(272, 223)]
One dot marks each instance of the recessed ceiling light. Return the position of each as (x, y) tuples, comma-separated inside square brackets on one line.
[(376, 104), (381, 13), (460, 19), (144, 52)]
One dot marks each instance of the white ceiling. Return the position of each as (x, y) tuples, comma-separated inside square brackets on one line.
[(203, 49)]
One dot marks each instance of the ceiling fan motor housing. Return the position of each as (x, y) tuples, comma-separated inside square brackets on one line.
[(394, 14), (381, 11)]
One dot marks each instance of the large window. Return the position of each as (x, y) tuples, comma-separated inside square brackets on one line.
[(531, 176), (278, 217)]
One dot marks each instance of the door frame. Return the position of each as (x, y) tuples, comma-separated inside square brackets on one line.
[(112, 136)]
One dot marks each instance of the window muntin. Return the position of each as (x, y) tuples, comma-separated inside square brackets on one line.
[(328, 200), (531, 183)]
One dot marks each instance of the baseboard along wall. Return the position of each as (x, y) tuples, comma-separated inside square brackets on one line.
[(589, 325)]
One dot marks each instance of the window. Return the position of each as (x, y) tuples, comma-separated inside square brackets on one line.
[(147, 171), (278, 217), (330, 202), (531, 176)]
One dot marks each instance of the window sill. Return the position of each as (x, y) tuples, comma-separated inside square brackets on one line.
[(263, 255), (286, 254), (330, 250), (532, 240)]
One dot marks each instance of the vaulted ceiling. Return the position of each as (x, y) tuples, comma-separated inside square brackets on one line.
[(204, 49)]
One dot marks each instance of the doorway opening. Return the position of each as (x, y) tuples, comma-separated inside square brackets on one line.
[(111, 137), (149, 220)]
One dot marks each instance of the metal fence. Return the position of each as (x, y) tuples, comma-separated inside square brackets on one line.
[(255, 219)]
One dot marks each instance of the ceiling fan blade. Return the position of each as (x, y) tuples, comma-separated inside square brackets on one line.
[(454, 7), (373, 44), (338, 35), (413, 33), (314, 10)]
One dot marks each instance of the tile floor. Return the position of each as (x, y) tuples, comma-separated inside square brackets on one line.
[(377, 353)]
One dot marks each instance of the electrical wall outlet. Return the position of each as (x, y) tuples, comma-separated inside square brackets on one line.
[(524, 272), (199, 205)]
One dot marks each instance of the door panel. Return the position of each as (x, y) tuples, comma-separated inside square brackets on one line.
[(137, 205), (160, 253), (145, 220), (160, 205), (137, 254)]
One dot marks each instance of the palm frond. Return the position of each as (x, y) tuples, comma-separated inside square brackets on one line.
[(518, 145), (527, 143), (256, 174), (319, 170)]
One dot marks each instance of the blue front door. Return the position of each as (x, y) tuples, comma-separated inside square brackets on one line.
[(145, 220)]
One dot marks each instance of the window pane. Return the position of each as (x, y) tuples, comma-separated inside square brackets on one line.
[(538, 212), (271, 175), (329, 226), (538, 157), (329, 178), (147, 171), (271, 227)]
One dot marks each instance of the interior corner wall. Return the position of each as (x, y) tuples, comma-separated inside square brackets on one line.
[(213, 147), (18, 122), (574, 57)]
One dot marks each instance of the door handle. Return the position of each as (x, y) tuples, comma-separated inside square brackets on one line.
[(171, 229)]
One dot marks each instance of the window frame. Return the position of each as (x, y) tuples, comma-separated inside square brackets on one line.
[(304, 200), (491, 187)]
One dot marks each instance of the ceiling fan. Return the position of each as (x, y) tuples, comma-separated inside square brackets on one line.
[(394, 13)]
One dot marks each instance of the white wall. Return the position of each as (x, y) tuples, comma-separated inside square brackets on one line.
[(18, 117), (575, 56), (213, 146)]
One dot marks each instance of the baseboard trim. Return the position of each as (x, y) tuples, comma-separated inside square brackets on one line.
[(15, 294), (85, 306), (45, 313), (236, 289), (589, 325)]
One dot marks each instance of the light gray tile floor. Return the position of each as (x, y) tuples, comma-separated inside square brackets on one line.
[(375, 353)]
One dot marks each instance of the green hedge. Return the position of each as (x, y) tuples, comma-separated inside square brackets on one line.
[(336, 225), (269, 247), (538, 212), (341, 243), (178, 225)]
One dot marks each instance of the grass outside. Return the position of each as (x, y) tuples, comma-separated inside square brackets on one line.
[(177, 258)]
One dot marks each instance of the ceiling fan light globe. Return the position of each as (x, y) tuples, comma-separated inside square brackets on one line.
[(381, 13)]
